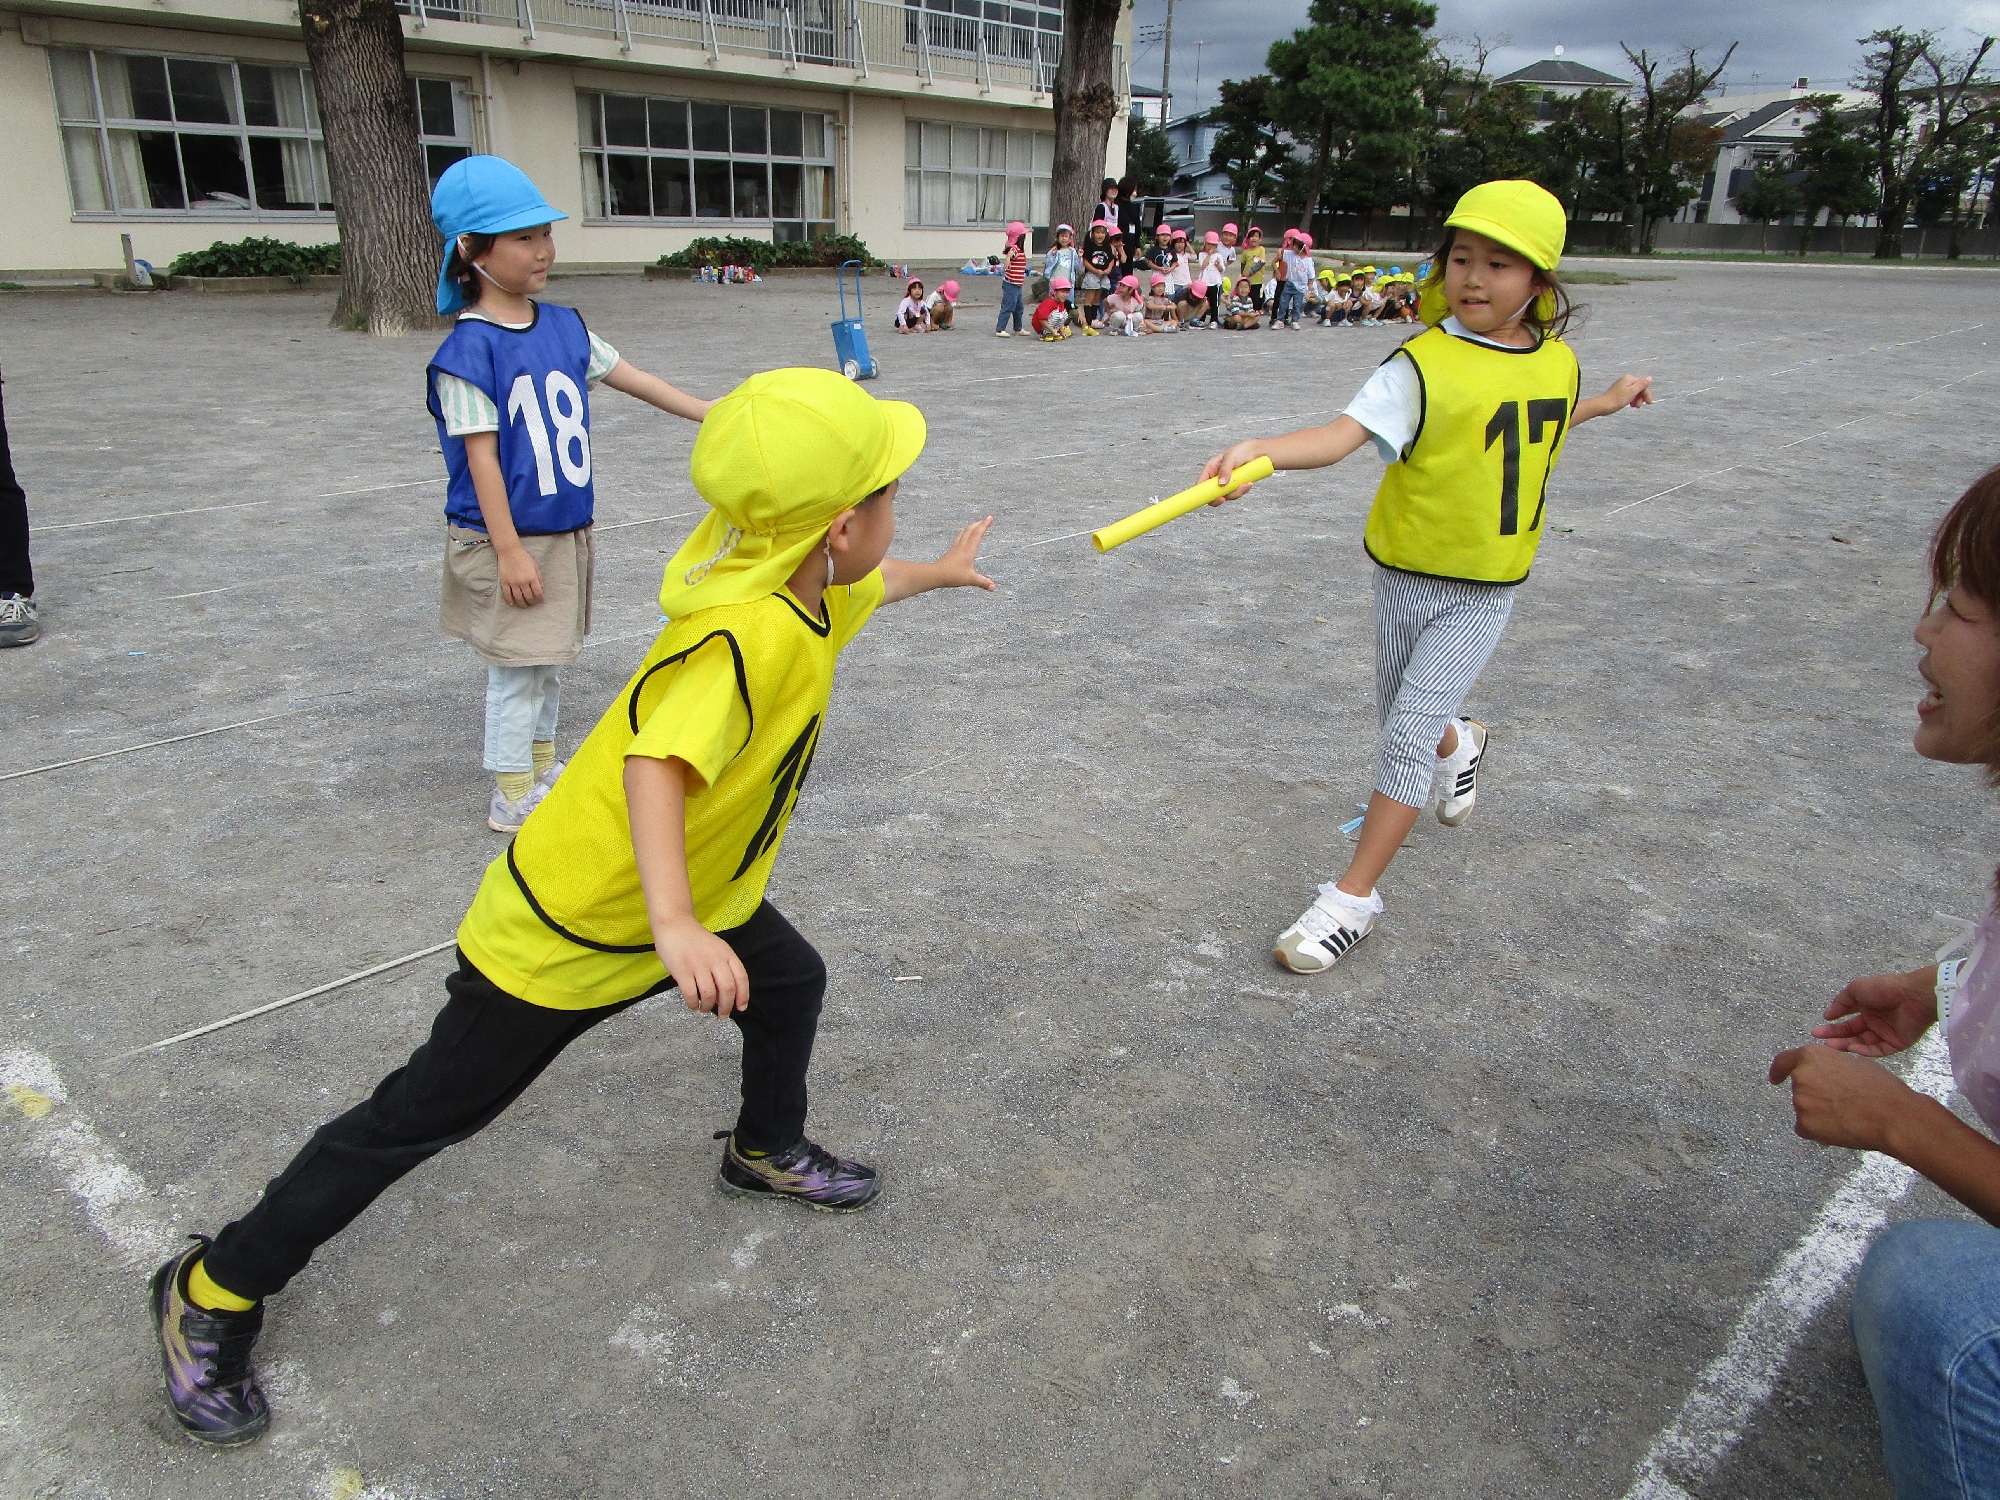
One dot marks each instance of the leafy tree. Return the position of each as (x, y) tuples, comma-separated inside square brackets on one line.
[(1470, 131), (1927, 102), (381, 192), (1583, 153), (1836, 164), (1085, 104), (1350, 74), (1769, 194), (1248, 146), (1667, 152), (1149, 158)]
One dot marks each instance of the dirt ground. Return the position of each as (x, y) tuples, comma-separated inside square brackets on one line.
[(1465, 1217)]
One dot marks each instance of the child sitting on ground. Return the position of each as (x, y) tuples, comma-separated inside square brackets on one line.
[(1335, 308), (941, 305), (1125, 309), (1163, 314), (911, 314), (1052, 318), (643, 870), (1242, 314)]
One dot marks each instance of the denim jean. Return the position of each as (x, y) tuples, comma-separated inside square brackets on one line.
[(1010, 305), (1926, 1321), (1291, 304), (521, 705)]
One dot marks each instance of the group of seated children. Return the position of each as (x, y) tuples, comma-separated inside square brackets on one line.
[(917, 313), (1367, 298)]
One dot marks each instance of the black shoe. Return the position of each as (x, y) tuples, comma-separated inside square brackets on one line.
[(802, 1172), (205, 1358)]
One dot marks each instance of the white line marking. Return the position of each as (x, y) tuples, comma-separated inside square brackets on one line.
[(648, 521), (406, 484), (151, 515), (271, 1005), (1741, 1379), (150, 744), (910, 775), (115, 1196)]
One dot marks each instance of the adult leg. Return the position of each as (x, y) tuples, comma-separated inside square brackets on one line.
[(1926, 1322), (787, 980), (17, 575), (484, 1049)]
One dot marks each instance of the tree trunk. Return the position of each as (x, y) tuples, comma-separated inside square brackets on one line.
[(1889, 229), (389, 250), (1086, 100), (1324, 150)]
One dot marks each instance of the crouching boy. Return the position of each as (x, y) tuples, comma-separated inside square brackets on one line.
[(643, 869)]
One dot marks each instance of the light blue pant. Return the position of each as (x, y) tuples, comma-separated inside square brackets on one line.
[(1291, 304), (521, 705), (1926, 1320)]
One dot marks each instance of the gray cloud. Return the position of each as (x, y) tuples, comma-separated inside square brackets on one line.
[(1778, 41)]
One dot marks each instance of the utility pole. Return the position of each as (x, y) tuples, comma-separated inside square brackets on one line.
[(1197, 73), (1167, 70)]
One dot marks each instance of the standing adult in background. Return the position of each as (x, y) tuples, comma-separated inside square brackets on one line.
[(1926, 1311), (1131, 225), (1109, 205), (18, 625)]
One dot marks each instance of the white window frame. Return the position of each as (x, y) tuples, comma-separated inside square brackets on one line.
[(959, 176)]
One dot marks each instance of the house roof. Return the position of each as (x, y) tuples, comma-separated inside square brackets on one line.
[(1757, 119), (1561, 70)]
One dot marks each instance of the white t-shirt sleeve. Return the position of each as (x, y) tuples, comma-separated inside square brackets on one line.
[(1390, 406), (467, 409), (603, 359)]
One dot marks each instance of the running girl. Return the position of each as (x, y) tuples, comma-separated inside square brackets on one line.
[(509, 389), (1471, 416)]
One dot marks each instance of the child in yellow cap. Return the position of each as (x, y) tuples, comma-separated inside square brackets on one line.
[(1470, 416), (642, 869)]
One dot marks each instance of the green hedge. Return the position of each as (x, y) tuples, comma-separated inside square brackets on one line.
[(826, 250), (259, 257)]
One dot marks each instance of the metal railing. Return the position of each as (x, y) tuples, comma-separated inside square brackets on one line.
[(862, 36)]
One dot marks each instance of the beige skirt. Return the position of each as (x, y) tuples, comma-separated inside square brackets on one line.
[(473, 609)]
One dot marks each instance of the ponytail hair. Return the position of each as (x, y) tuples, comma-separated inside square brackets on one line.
[(465, 249)]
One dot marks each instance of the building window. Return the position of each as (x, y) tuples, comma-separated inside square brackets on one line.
[(964, 174), (444, 122), (149, 134), (1012, 33), (680, 160)]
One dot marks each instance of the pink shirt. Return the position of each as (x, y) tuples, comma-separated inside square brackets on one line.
[(1972, 1031)]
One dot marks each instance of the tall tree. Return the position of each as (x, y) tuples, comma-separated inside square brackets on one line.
[(381, 193), (1769, 194), (1584, 153), (1150, 159), (1926, 101), (1669, 153), (1837, 166), (1350, 75), (1248, 146), (1086, 102)]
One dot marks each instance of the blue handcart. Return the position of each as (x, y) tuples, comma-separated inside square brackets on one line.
[(850, 339)]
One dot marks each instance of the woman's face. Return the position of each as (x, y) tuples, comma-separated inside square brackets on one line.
[(1961, 665)]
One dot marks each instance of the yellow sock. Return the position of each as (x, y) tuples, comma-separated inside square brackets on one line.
[(545, 755), (514, 785), (205, 1294)]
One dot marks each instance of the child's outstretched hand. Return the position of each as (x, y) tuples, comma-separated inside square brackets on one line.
[(959, 567), (1228, 461), (1634, 391)]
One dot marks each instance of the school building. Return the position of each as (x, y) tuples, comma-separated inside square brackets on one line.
[(921, 125)]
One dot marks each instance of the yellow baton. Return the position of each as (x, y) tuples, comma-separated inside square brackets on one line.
[(1175, 506)]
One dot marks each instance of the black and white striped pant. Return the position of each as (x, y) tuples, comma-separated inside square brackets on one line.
[(1433, 637)]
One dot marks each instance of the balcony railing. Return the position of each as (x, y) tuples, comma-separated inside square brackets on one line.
[(859, 36)]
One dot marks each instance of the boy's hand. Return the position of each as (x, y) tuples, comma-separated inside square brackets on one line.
[(520, 579), (958, 568), (1878, 1014), (709, 973), (1228, 461), (1634, 391)]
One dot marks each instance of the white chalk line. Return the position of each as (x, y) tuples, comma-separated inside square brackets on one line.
[(152, 744), (1741, 1379), (202, 510), (646, 521), (271, 1005)]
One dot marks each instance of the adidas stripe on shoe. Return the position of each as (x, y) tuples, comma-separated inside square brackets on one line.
[(1457, 778), (1327, 930)]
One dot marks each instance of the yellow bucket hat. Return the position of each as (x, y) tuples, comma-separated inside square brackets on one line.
[(777, 459), (1524, 216)]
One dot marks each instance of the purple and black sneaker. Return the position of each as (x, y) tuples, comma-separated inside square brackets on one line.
[(804, 1173), (205, 1357)]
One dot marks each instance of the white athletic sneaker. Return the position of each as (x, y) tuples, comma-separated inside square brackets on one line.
[(1456, 779), (547, 778), (503, 816), (1324, 932)]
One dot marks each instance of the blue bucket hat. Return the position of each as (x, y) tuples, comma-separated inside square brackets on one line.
[(482, 195)]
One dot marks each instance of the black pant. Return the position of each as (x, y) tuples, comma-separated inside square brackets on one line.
[(485, 1048), (16, 576)]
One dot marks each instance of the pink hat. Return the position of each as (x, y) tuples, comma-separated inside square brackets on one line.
[(950, 289), (1180, 234), (1291, 234), (1131, 281), (1159, 279), (1229, 229), (1016, 228), (1198, 287), (1305, 239), (1060, 284), (1103, 224)]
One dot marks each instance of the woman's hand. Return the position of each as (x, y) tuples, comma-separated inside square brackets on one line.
[(1228, 461), (710, 975), (1878, 1014), (520, 579), (1842, 1100)]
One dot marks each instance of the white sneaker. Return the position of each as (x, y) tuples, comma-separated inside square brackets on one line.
[(1324, 932), (503, 816), (1000, 333), (1457, 776), (547, 778)]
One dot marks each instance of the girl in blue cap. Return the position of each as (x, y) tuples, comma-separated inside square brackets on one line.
[(509, 388)]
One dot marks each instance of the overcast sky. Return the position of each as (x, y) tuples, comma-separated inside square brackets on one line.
[(1781, 40)]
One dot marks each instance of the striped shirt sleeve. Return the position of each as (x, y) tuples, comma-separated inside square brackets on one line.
[(603, 359), (467, 409)]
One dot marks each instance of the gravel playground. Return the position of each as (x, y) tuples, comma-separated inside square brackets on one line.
[(1472, 1215)]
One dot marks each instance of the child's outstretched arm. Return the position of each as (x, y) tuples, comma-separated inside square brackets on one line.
[(1308, 448), (1634, 391), (958, 568), (651, 389), (710, 975)]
